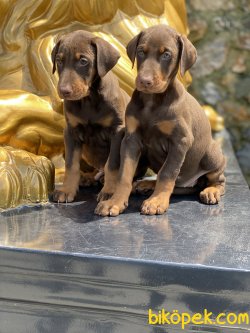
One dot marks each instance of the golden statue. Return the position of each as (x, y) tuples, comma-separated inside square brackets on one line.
[(31, 115)]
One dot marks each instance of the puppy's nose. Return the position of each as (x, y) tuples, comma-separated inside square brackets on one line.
[(66, 91), (146, 81)]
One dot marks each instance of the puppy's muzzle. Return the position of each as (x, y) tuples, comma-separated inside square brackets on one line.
[(65, 91), (150, 84), (144, 82), (72, 93)]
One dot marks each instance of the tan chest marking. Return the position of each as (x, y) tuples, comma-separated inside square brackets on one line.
[(106, 121), (166, 126), (74, 121), (131, 124)]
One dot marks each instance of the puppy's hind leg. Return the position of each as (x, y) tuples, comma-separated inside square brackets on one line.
[(144, 186), (215, 161), (140, 184), (216, 188), (88, 179)]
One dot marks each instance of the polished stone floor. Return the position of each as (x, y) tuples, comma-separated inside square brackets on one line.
[(115, 268), (190, 232)]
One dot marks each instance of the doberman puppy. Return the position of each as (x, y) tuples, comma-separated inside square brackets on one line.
[(165, 126), (94, 107)]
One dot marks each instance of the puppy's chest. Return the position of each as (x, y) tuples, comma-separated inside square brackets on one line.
[(155, 122), (90, 120), (90, 123)]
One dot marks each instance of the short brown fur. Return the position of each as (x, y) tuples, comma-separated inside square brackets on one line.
[(173, 135), (94, 107)]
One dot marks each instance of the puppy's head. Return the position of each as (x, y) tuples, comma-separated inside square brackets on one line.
[(79, 58), (160, 51)]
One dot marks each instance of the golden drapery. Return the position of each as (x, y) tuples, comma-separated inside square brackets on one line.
[(30, 110)]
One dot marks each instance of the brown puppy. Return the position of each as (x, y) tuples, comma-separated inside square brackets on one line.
[(94, 107), (165, 126)]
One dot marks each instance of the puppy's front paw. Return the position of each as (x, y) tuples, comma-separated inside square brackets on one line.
[(210, 196), (110, 207), (153, 206), (103, 195), (63, 196), (107, 191)]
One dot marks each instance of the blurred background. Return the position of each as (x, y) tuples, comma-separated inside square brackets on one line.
[(220, 30)]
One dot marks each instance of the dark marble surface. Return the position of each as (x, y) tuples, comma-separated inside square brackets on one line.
[(63, 269)]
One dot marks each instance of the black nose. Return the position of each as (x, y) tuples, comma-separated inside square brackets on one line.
[(146, 81), (66, 91)]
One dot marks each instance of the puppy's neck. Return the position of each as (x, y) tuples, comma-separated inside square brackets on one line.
[(173, 92), (107, 86), (98, 86), (175, 89)]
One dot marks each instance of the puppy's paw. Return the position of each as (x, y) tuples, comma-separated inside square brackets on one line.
[(143, 187), (103, 195), (107, 191), (63, 196), (110, 208), (210, 196), (154, 206)]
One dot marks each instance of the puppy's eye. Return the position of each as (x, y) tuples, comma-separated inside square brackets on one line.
[(83, 61), (166, 55), (140, 53)]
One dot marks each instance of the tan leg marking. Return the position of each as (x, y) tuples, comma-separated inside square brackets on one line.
[(119, 200), (70, 186), (158, 202), (110, 181)]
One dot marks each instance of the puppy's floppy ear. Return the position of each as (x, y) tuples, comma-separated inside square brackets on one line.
[(106, 56), (53, 55), (188, 54), (132, 46)]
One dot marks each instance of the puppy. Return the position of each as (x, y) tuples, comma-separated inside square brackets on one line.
[(94, 107), (165, 126)]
